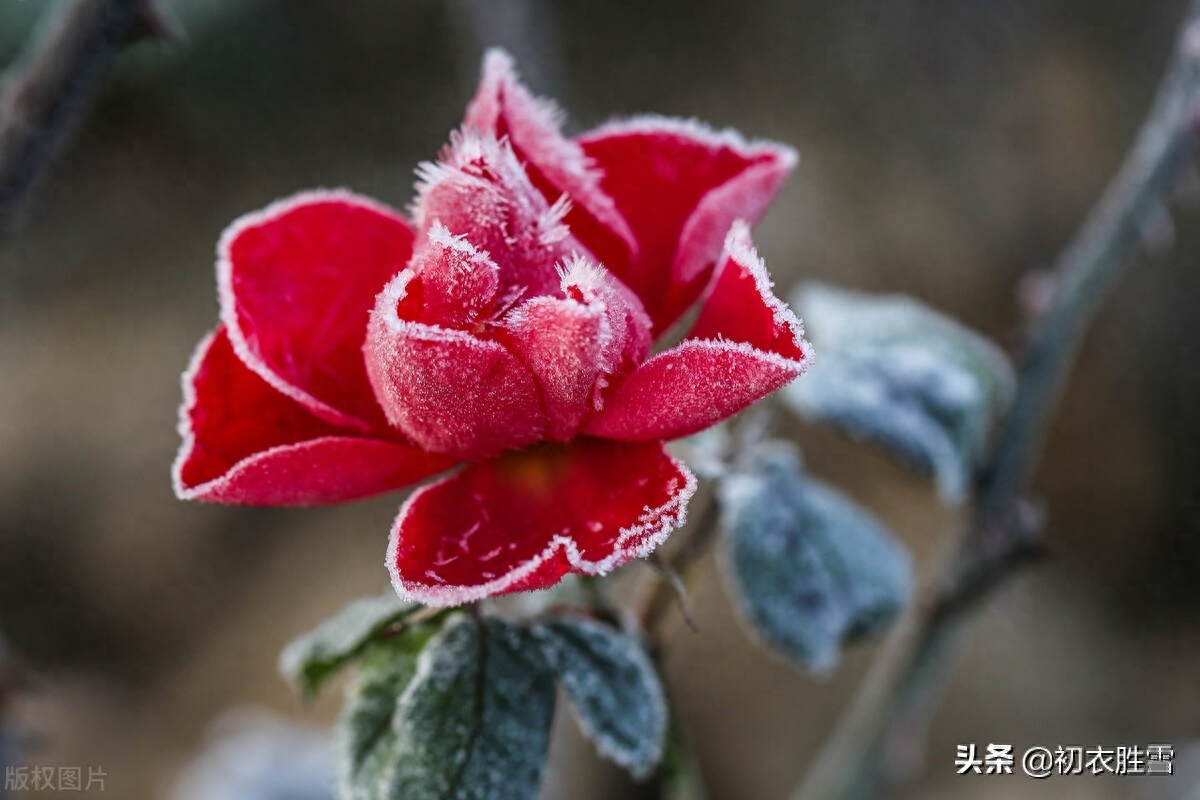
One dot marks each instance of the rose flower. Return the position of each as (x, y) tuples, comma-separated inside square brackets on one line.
[(504, 335)]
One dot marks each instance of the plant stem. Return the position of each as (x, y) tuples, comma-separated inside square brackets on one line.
[(665, 592), (61, 74), (888, 719)]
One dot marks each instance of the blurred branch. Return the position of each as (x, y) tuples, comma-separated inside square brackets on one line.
[(883, 732), (55, 84), (668, 589)]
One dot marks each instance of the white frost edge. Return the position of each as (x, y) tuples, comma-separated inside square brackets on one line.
[(661, 521), (188, 436), (386, 312), (440, 235), (466, 145), (741, 252), (499, 70), (694, 129), (228, 304)]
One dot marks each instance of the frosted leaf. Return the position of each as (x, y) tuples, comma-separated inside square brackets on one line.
[(365, 738), (613, 687), (312, 659), (810, 569), (905, 377), (474, 723)]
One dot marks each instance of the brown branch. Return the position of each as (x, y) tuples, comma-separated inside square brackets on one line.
[(888, 719), (666, 590), (55, 85)]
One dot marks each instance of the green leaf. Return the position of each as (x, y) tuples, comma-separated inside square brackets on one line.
[(895, 373), (613, 687), (309, 661), (811, 570), (365, 740), (474, 723)]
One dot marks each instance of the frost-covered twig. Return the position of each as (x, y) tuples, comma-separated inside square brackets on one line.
[(44, 98), (888, 719)]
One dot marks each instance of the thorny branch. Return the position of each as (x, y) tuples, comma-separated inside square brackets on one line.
[(46, 96), (877, 736)]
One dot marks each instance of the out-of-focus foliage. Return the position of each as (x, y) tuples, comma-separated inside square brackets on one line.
[(894, 372), (315, 657), (258, 756), (366, 740), (810, 569)]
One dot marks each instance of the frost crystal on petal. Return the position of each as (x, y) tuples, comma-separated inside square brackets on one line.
[(480, 190), (449, 391), (524, 520), (744, 345), (510, 327)]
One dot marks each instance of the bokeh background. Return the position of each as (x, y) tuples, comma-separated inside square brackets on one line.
[(948, 148)]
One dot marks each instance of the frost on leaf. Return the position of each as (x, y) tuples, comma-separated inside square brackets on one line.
[(900, 375), (365, 739), (613, 687), (312, 659), (474, 723), (810, 569)]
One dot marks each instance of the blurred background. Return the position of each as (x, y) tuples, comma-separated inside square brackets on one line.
[(947, 149)]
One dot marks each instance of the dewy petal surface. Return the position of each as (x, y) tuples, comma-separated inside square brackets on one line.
[(524, 520), (745, 344), (244, 442), (680, 185), (449, 391), (297, 282)]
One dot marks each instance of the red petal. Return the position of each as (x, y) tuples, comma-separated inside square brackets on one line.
[(744, 345), (680, 185), (524, 520), (571, 343), (244, 442), (559, 340), (449, 391), (479, 190), (458, 282), (557, 165), (297, 281)]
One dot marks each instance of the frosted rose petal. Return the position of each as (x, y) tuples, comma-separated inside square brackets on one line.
[(297, 281), (556, 165), (680, 185), (573, 344), (447, 390), (524, 520), (244, 442), (481, 191), (745, 344)]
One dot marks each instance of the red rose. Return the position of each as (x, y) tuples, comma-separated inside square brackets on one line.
[(508, 328)]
